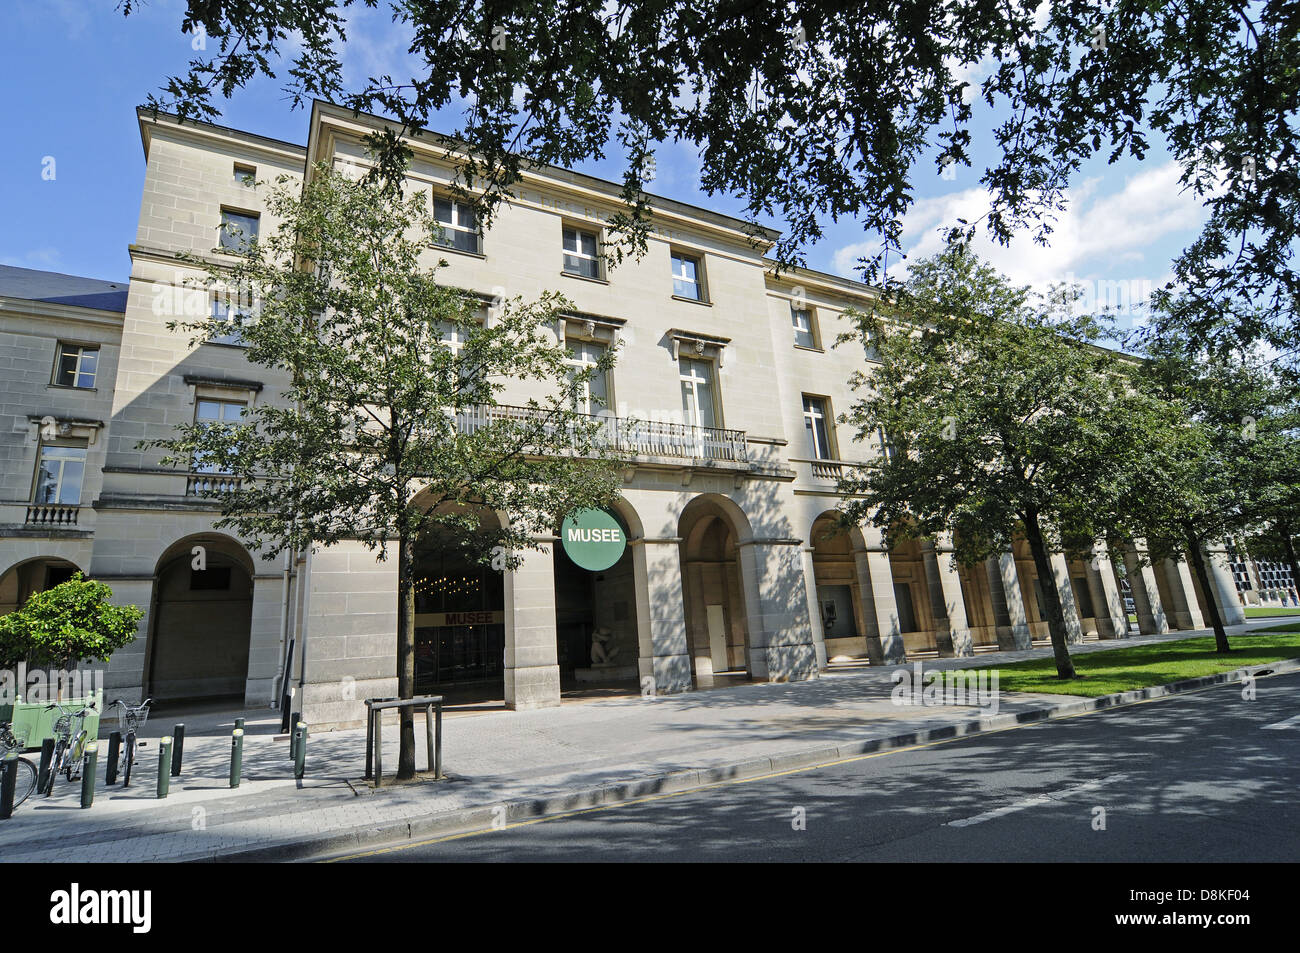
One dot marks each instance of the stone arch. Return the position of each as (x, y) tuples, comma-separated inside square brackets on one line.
[(31, 575), (712, 528), (839, 611)]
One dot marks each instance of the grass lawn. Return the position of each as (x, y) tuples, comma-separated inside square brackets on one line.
[(1140, 666), (1262, 612)]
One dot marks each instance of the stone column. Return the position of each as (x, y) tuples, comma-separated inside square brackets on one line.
[(1185, 611), (1004, 586), (124, 674), (1112, 619), (776, 610), (264, 645), (663, 662), (952, 629), (814, 608), (1069, 607), (876, 585), (1226, 596), (532, 671), (1146, 594)]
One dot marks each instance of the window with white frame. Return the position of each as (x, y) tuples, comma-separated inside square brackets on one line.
[(75, 365), (687, 278), (458, 225), (59, 474), (215, 413), (816, 415), (699, 406), (238, 230), (580, 256), (802, 319), (593, 393)]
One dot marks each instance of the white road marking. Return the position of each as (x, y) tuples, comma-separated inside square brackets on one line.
[(1034, 801), (1292, 722)]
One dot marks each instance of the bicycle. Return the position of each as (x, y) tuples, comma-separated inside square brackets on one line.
[(69, 746), (132, 720), (25, 780)]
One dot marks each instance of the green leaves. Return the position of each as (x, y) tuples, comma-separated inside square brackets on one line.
[(70, 622)]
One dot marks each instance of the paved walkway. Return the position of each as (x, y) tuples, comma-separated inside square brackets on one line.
[(490, 758)]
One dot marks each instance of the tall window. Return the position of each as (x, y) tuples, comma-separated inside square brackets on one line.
[(75, 366), (815, 415), (802, 320), (458, 223), (234, 306), (238, 231), (698, 404), (686, 277), (215, 413), (59, 475), (580, 253), (594, 393)]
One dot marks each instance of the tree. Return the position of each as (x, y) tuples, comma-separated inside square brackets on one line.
[(1228, 468), (998, 419), (390, 430), (824, 109), (60, 626)]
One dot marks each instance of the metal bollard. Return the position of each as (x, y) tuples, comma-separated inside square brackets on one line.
[(47, 756), (114, 754), (8, 781), (178, 750), (239, 723), (164, 760), (300, 750), (88, 776), (236, 757)]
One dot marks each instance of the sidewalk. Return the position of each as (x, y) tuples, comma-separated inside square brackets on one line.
[(533, 761)]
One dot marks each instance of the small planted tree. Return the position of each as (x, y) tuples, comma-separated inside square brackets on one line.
[(391, 428), (66, 624), (995, 419)]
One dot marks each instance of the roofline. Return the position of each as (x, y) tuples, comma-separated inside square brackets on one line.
[(147, 120)]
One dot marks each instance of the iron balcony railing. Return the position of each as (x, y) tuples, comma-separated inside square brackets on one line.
[(629, 435)]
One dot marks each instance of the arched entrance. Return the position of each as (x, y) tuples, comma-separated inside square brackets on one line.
[(202, 619), (20, 581), (839, 597), (716, 626)]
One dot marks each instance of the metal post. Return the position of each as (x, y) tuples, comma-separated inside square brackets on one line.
[(239, 723), (88, 777), (379, 747), (300, 751), (437, 761), (178, 752), (428, 740), (8, 781), (47, 756), (164, 761), (370, 740), (236, 757), (114, 753)]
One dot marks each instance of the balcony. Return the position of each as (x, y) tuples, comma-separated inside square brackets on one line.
[(52, 515), (201, 484), (823, 470), (631, 436)]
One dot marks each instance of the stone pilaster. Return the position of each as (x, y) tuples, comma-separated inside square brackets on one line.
[(814, 608), (952, 629), (776, 609), (1146, 594), (664, 664), (1107, 602), (1225, 594), (876, 584), (1069, 606), (532, 671)]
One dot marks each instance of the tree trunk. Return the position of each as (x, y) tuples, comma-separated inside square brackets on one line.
[(1051, 598), (1203, 577), (406, 653)]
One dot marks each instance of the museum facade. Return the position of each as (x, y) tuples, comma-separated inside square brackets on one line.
[(719, 560)]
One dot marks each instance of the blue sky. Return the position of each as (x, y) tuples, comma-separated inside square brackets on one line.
[(73, 72)]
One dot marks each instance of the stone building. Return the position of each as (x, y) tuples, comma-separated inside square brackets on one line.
[(729, 571)]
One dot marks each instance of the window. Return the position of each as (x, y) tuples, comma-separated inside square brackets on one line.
[(215, 413), (580, 253), (802, 319), (458, 225), (235, 307), (594, 393), (815, 415), (59, 475), (214, 578), (75, 365), (238, 231), (245, 174), (698, 405), (686, 277)]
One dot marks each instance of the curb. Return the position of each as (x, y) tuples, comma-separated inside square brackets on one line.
[(466, 820)]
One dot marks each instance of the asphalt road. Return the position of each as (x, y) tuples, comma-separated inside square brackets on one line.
[(1197, 777)]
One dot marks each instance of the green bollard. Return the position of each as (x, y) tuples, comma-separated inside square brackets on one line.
[(47, 757), (239, 723), (178, 749), (164, 765), (300, 750), (8, 782), (88, 776), (114, 755), (236, 757)]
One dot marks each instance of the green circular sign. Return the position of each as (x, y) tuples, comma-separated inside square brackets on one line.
[(593, 539)]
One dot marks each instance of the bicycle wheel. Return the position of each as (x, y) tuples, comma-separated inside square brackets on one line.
[(56, 765), (130, 760), (25, 783)]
